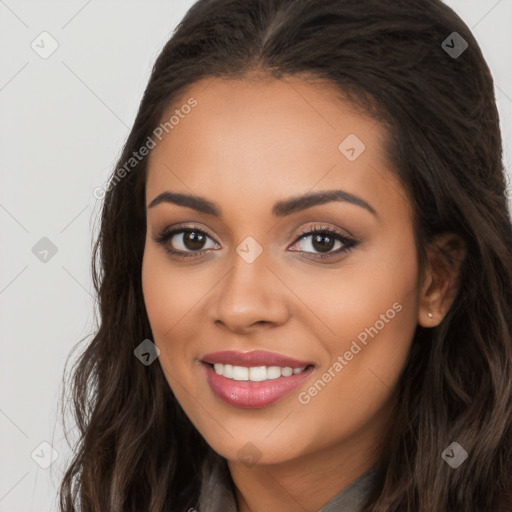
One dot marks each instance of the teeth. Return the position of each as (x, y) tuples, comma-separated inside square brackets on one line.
[(287, 371), (227, 371), (273, 372), (240, 373), (255, 373)]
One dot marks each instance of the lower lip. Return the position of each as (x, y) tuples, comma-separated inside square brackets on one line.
[(253, 395)]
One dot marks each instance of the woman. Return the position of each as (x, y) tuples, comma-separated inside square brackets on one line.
[(304, 272)]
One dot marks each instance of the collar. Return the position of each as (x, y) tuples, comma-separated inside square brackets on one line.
[(218, 494)]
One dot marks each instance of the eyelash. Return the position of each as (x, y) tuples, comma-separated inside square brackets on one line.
[(348, 242)]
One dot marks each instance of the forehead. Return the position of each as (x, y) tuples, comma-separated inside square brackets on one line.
[(247, 138)]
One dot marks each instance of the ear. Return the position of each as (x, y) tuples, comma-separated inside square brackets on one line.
[(441, 279)]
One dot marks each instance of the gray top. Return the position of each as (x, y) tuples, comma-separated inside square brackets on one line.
[(217, 493)]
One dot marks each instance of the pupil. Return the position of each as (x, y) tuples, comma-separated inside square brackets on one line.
[(323, 247), (193, 240)]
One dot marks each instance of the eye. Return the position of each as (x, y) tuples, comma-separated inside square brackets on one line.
[(324, 240), (185, 242)]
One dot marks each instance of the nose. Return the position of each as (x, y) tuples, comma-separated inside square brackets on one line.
[(250, 297)]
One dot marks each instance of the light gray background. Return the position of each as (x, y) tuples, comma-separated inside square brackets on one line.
[(62, 125)]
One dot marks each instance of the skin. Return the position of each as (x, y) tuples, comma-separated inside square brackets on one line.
[(245, 146)]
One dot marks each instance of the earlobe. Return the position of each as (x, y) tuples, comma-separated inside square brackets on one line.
[(427, 315), (430, 319), (441, 281)]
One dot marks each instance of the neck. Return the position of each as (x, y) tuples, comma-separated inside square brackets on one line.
[(306, 483)]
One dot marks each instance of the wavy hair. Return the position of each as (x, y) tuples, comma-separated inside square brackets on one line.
[(136, 449)]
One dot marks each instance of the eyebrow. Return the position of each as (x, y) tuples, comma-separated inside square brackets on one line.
[(280, 208)]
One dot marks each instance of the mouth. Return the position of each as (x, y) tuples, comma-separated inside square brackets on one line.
[(255, 373), (254, 379)]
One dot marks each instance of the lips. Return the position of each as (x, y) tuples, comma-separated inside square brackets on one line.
[(225, 374), (254, 358)]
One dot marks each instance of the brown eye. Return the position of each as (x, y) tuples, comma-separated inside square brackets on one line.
[(185, 241), (193, 240), (322, 242)]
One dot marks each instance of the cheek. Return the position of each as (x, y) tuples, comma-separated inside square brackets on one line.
[(159, 295), (369, 316), (169, 293), (168, 299), (373, 317), (173, 295), (353, 297)]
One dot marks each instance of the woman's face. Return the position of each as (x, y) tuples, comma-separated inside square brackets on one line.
[(252, 291)]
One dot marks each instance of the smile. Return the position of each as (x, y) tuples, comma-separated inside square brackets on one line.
[(255, 373), (254, 379)]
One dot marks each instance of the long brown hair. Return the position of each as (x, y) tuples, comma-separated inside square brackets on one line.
[(137, 451)]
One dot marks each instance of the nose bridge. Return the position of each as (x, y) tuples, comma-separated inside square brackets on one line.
[(249, 293)]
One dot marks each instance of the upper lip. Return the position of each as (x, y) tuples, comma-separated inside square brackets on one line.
[(254, 358)]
